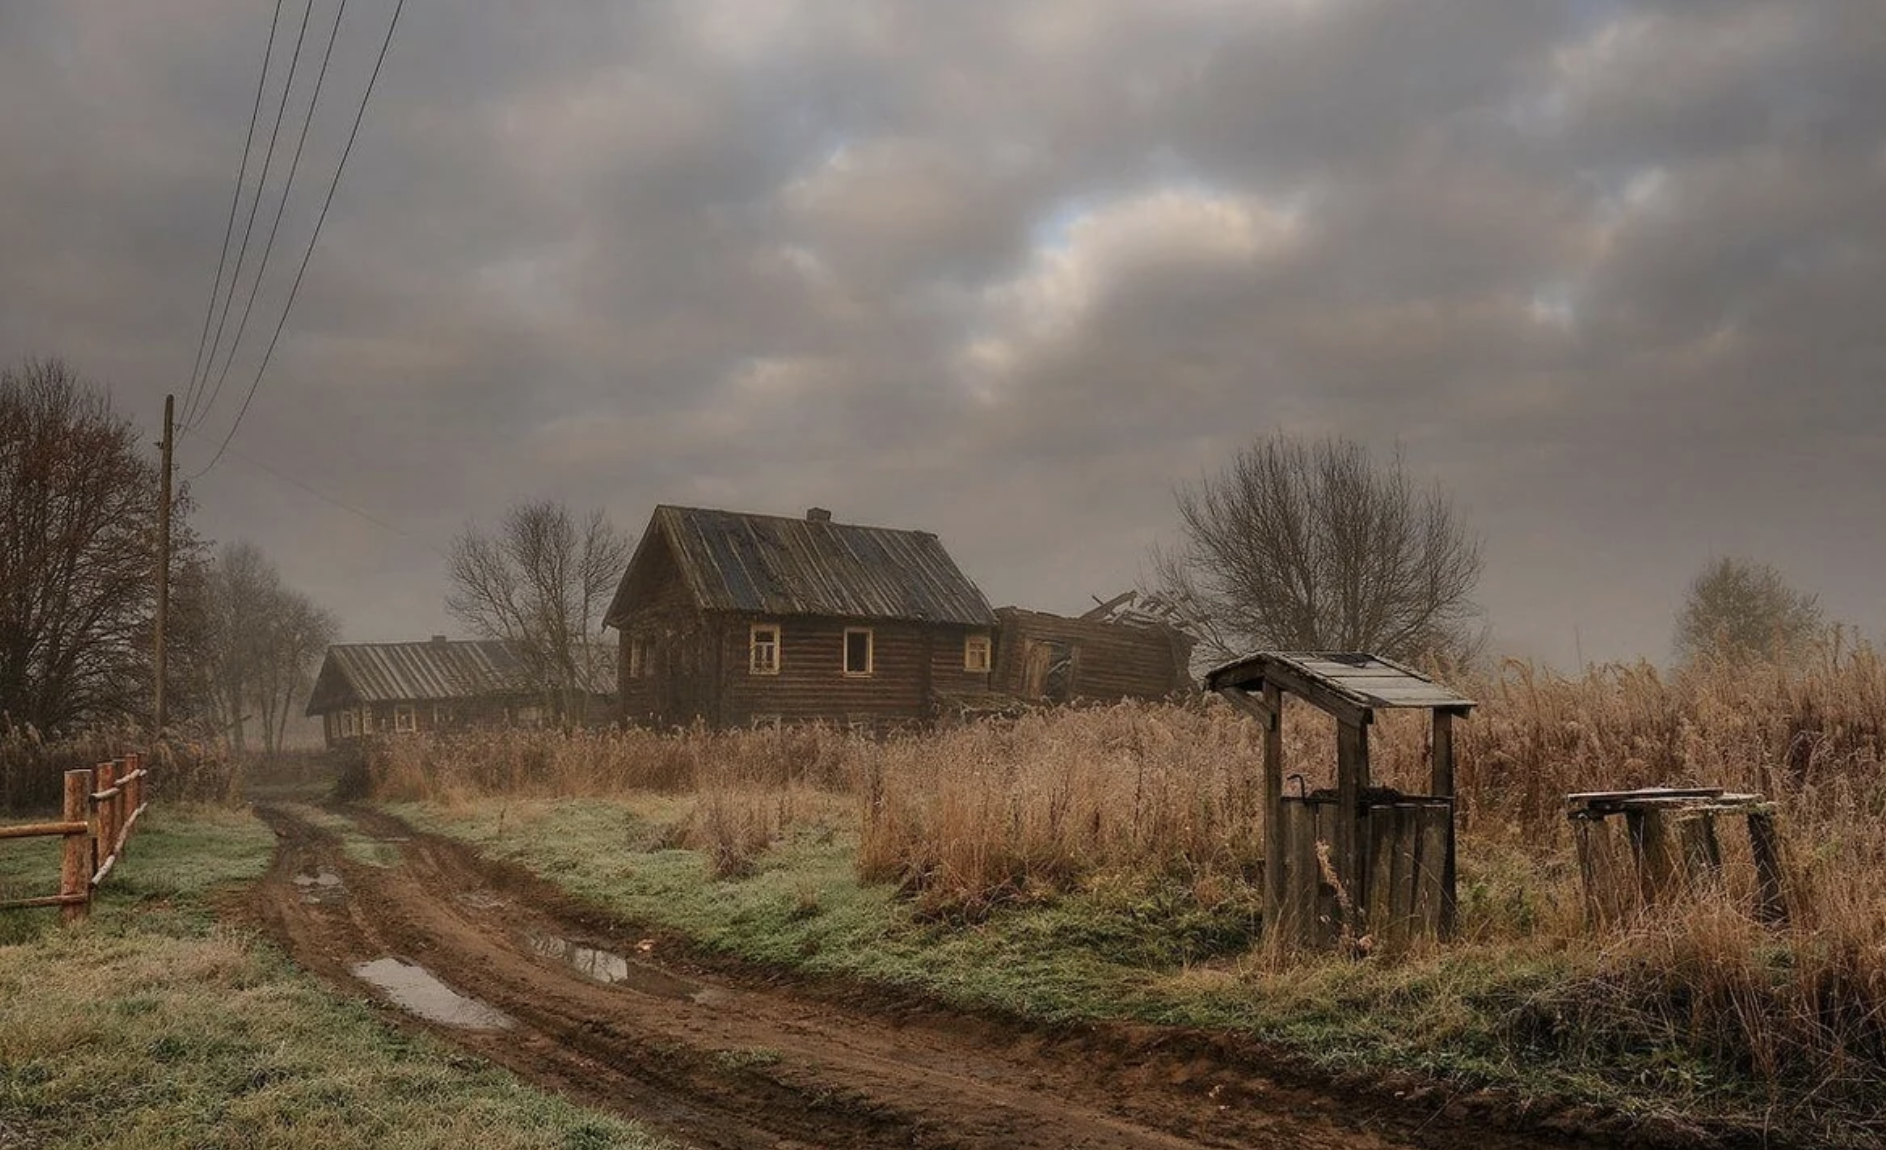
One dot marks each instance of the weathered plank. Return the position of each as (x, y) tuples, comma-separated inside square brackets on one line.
[(1770, 880)]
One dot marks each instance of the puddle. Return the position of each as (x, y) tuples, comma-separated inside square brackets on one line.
[(614, 970), (321, 888), (413, 987)]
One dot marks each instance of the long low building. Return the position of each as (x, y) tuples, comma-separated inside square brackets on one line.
[(437, 685)]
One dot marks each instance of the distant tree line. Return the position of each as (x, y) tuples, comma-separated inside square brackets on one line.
[(79, 494)]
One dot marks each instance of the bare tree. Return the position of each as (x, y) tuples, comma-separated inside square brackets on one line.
[(1739, 610), (1318, 547), (265, 641), (78, 508), (541, 582), (297, 634)]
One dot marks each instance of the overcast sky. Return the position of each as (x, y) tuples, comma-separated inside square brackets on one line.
[(1613, 274)]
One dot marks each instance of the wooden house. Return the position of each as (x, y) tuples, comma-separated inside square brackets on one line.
[(1103, 656), (441, 684), (738, 619)]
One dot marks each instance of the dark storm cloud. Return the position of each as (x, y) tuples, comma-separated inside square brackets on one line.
[(1006, 271)]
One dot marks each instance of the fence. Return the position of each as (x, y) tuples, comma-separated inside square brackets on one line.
[(100, 808)]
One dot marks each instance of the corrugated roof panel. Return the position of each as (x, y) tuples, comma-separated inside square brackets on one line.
[(773, 565), (454, 669)]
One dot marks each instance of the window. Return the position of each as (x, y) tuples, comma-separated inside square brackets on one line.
[(976, 653), (641, 657), (857, 650), (350, 724), (405, 718), (763, 655)]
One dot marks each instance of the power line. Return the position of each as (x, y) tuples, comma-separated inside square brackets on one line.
[(268, 245), (255, 203), (331, 500), (327, 203), (235, 198)]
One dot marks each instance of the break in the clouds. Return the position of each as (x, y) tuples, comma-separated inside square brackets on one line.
[(1008, 271)]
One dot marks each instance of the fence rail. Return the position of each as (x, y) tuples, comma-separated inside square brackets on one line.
[(101, 807)]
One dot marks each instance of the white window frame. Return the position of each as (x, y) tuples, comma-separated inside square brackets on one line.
[(870, 653), (978, 654), (405, 718), (350, 723), (775, 644), (635, 657)]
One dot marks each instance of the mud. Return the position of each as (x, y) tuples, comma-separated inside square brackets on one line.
[(721, 1056)]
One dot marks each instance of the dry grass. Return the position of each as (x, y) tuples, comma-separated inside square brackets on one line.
[(32, 767), (970, 819)]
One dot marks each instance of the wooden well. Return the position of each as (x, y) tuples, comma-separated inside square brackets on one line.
[(1357, 861)]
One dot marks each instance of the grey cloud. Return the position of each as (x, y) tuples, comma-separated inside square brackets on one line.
[(1008, 271)]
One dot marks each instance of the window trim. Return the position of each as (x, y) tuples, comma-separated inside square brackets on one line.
[(408, 712), (754, 647), (870, 653), (973, 644), (635, 656)]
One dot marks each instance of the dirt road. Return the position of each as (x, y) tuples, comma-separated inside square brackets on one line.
[(730, 1058)]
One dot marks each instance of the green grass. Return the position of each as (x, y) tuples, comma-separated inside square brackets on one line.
[(153, 1025), (1475, 1014)]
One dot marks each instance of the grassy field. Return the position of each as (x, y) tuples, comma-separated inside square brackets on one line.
[(1099, 864), (154, 1026)]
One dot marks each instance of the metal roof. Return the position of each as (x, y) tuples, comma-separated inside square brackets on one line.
[(1362, 680), (405, 672), (775, 565)]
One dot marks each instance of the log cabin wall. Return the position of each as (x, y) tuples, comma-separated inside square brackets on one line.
[(1106, 660), (911, 663), (659, 669)]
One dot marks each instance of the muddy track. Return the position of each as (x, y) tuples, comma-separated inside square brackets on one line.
[(726, 1058)]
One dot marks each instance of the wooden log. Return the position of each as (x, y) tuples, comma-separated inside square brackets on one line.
[(1274, 855), (1384, 842), (104, 832), (121, 805), (1326, 919), (1771, 904), (1352, 778), (75, 860), (43, 830), (59, 900), (1433, 823), (134, 763), (1659, 861), (1702, 854), (1298, 847), (1605, 894), (1443, 738)]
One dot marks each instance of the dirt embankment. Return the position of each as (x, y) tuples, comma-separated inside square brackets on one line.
[(731, 1058)]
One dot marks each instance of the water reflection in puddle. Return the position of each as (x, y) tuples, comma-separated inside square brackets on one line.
[(614, 970), (413, 988), (320, 888)]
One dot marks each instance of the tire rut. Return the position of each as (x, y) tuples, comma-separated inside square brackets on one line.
[(723, 1059)]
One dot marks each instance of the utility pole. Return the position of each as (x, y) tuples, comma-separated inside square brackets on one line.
[(163, 565)]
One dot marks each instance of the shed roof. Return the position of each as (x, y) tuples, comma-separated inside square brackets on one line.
[(1360, 680), (777, 565), (404, 672)]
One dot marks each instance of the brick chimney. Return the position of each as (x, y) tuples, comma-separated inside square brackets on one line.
[(817, 515)]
